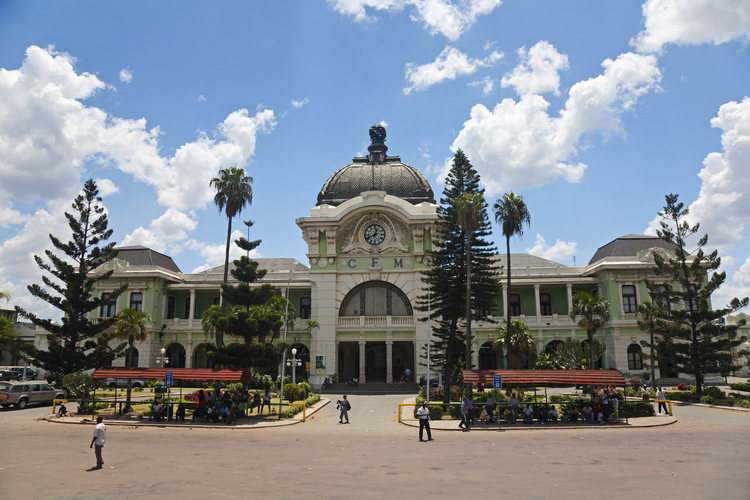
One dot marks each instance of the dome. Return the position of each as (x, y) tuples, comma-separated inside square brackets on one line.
[(376, 172)]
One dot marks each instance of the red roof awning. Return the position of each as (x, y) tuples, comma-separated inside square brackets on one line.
[(177, 373), (546, 377)]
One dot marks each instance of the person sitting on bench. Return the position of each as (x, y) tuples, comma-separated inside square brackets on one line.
[(156, 413)]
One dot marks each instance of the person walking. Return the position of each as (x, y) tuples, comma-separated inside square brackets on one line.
[(100, 437), (662, 403), (465, 415), (344, 406), (424, 421)]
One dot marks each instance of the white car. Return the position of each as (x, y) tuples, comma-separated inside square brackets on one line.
[(123, 382)]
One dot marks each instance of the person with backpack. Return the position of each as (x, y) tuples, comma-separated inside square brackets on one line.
[(344, 406)]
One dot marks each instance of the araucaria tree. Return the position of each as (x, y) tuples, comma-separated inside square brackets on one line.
[(699, 334), (76, 343), (254, 314), (592, 314), (448, 269), (511, 213), (233, 192)]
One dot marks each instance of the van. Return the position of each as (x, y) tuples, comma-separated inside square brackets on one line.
[(22, 394)]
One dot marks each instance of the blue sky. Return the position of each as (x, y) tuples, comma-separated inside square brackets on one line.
[(592, 110)]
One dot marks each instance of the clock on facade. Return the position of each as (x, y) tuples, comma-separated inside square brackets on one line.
[(374, 234)]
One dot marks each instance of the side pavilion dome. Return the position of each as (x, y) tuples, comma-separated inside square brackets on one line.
[(376, 172)]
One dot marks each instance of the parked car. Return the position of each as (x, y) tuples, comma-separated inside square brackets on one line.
[(123, 382), (8, 375), (30, 374), (21, 394)]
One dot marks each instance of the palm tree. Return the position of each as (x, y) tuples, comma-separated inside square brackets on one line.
[(233, 192), (594, 313), (522, 341), (132, 326), (468, 208), (648, 315), (511, 213)]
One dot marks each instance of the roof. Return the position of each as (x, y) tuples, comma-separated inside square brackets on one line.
[(270, 265), (376, 172), (142, 256), (630, 246), (546, 377), (177, 373), (522, 260)]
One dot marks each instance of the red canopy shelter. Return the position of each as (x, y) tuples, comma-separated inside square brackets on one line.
[(546, 377), (177, 373)]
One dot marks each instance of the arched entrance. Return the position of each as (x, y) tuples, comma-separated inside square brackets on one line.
[(487, 357), (131, 357), (176, 354), (200, 360)]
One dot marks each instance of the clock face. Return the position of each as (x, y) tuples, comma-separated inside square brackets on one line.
[(374, 234)]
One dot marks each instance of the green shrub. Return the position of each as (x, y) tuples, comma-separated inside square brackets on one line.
[(680, 395), (436, 411), (743, 403), (740, 386), (305, 385), (293, 392), (714, 392), (707, 399), (633, 409), (79, 385), (85, 407), (635, 382)]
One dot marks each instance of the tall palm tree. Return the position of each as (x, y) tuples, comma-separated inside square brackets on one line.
[(233, 192), (648, 316), (131, 326), (594, 313), (468, 208), (511, 213), (522, 341)]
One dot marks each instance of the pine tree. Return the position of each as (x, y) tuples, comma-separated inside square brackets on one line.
[(448, 269), (252, 313), (77, 343), (699, 335)]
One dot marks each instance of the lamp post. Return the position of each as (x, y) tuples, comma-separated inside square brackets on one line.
[(294, 362), (162, 360)]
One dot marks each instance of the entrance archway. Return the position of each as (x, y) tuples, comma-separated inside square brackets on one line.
[(375, 362), (487, 357), (176, 354), (348, 362), (200, 360), (403, 359)]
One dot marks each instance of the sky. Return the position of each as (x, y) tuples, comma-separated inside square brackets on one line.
[(593, 111)]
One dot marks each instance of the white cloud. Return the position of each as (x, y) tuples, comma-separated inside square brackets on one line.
[(201, 98), (106, 187), (49, 137), (723, 205), (685, 22), (538, 71), (126, 75), (519, 145), (450, 18), (450, 64), (487, 83), (559, 251), (298, 104)]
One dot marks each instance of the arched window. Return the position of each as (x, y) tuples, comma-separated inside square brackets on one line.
[(375, 298), (131, 357), (635, 357), (552, 346), (176, 354), (200, 360), (487, 357)]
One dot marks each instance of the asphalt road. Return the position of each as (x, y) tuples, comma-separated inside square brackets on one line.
[(704, 455)]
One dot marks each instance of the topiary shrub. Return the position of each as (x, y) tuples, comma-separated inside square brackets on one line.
[(633, 409), (306, 387), (714, 392), (293, 392), (740, 386), (635, 382)]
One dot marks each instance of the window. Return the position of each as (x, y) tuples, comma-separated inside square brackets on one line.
[(545, 304), (515, 304), (628, 298), (635, 357), (170, 307), (660, 295), (186, 313), (304, 307), (136, 301), (691, 299), (108, 308), (375, 298)]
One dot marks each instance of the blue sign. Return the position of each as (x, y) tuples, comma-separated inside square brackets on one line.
[(497, 381), (168, 379)]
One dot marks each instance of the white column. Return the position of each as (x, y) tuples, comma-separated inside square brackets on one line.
[(537, 304), (505, 300), (569, 288), (192, 307), (389, 361), (362, 346)]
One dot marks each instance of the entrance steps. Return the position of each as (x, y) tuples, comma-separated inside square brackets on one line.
[(372, 388)]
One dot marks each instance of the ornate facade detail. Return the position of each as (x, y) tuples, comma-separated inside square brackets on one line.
[(353, 235)]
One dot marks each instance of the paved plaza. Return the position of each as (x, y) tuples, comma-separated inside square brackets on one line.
[(703, 455)]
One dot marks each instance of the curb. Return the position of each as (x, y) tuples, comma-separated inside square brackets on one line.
[(175, 425), (717, 407), (523, 427)]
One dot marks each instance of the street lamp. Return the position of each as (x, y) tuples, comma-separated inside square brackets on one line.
[(162, 360), (294, 362)]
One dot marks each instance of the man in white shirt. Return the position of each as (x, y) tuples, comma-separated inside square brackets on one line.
[(661, 397), (100, 437), (424, 421)]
